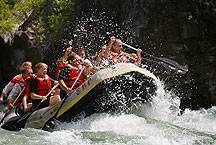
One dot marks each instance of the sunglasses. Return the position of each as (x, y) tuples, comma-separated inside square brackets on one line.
[(29, 73)]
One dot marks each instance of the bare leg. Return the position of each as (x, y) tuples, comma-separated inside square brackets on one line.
[(29, 106), (10, 105), (54, 99)]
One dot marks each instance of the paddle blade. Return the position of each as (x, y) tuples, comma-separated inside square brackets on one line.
[(173, 65)]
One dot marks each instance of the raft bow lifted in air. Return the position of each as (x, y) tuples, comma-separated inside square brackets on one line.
[(114, 88)]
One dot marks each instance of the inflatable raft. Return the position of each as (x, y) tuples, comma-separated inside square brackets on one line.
[(111, 89)]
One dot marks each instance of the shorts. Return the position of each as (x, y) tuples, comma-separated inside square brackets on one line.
[(37, 104)]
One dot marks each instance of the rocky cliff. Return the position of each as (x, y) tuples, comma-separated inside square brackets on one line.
[(181, 30)]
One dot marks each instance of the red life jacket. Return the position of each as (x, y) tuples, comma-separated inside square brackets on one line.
[(27, 80), (25, 92), (74, 72), (121, 57), (18, 80), (44, 85), (60, 67)]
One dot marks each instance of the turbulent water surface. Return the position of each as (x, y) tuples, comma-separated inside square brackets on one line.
[(155, 124)]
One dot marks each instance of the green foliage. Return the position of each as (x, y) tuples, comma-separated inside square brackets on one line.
[(61, 18), (5, 13), (13, 12)]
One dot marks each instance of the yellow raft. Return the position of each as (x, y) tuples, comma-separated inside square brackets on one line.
[(111, 89)]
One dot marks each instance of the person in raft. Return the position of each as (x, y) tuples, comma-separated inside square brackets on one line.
[(16, 79), (70, 72), (115, 54), (39, 86), (100, 60), (16, 95)]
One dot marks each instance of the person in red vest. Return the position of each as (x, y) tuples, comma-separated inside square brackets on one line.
[(26, 101), (70, 72), (39, 86), (10, 85), (81, 53), (60, 63), (67, 52), (115, 54), (18, 87), (26, 104)]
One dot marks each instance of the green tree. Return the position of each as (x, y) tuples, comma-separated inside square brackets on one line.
[(61, 18), (13, 12)]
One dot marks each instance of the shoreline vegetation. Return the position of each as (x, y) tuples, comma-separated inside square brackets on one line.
[(44, 17)]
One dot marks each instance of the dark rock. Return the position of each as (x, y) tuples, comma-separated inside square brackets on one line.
[(183, 30)]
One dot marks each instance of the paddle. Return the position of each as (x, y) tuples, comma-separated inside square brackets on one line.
[(54, 117), (18, 122), (13, 104), (166, 62)]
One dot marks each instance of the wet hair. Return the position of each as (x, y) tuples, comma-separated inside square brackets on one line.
[(26, 63), (39, 65)]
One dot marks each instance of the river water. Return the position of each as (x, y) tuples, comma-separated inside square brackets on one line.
[(155, 124)]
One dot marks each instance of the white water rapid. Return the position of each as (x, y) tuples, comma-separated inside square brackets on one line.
[(156, 124)]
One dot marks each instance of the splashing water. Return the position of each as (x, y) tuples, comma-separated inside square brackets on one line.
[(91, 33), (155, 123)]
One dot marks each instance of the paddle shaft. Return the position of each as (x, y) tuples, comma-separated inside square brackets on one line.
[(19, 95), (164, 61), (65, 97), (13, 103), (53, 88), (78, 77), (135, 49), (24, 120)]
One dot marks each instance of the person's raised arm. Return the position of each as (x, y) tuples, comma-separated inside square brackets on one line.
[(109, 46), (68, 50), (89, 68), (139, 58), (101, 55)]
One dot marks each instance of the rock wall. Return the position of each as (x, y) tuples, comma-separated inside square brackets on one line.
[(21, 44), (182, 30)]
